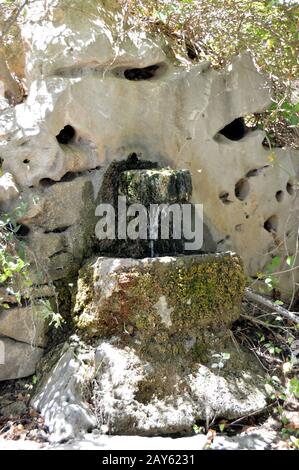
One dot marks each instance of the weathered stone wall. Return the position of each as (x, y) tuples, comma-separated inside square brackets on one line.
[(78, 75), (75, 75)]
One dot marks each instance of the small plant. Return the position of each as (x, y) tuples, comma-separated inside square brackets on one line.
[(14, 270), (221, 359), (198, 429), (54, 318)]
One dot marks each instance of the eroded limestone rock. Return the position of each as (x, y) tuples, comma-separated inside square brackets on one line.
[(61, 397), (121, 389), (135, 394), (8, 190), (160, 354), (61, 223)]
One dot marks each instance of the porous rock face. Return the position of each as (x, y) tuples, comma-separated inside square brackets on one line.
[(78, 75)]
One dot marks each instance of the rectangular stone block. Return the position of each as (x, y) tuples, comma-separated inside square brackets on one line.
[(26, 324), (174, 295), (17, 359)]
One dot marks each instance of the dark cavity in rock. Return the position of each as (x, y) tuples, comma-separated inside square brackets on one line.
[(145, 73), (235, 130), (66, 134)]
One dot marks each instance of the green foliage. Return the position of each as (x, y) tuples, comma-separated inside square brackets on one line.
[(221, 30), (294, 387), (277, 265), (14, 270)]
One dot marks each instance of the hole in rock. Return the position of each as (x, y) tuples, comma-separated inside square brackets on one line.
[(271, 224), (69, 176), (45, 182), (290, 188), (252, 173), (256, 171), (223, 196), (26, 161), (242, 189), (227, 237), (58, 229), (133, 158), (235, 130), (279, 196), (23, 144), (137, 74), (23, 231), (66, 134), (58, 253), (191, 49)]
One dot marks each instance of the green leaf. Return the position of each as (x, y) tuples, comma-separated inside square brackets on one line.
[(222, 427), (294, 387), (275, 262), (34, 380), (290, 260), (284, 420), (226, 356)]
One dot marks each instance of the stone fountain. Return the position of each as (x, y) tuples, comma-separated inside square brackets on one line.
[(147, 346)]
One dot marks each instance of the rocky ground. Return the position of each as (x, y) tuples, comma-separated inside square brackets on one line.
[(21, 427), (259, 438)]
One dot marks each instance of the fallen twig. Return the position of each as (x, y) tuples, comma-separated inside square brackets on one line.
[(257, 298)]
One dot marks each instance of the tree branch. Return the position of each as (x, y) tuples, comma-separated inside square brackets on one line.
[(256, 298)]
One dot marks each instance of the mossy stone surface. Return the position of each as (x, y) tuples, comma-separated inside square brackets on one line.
[(159, 300)]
